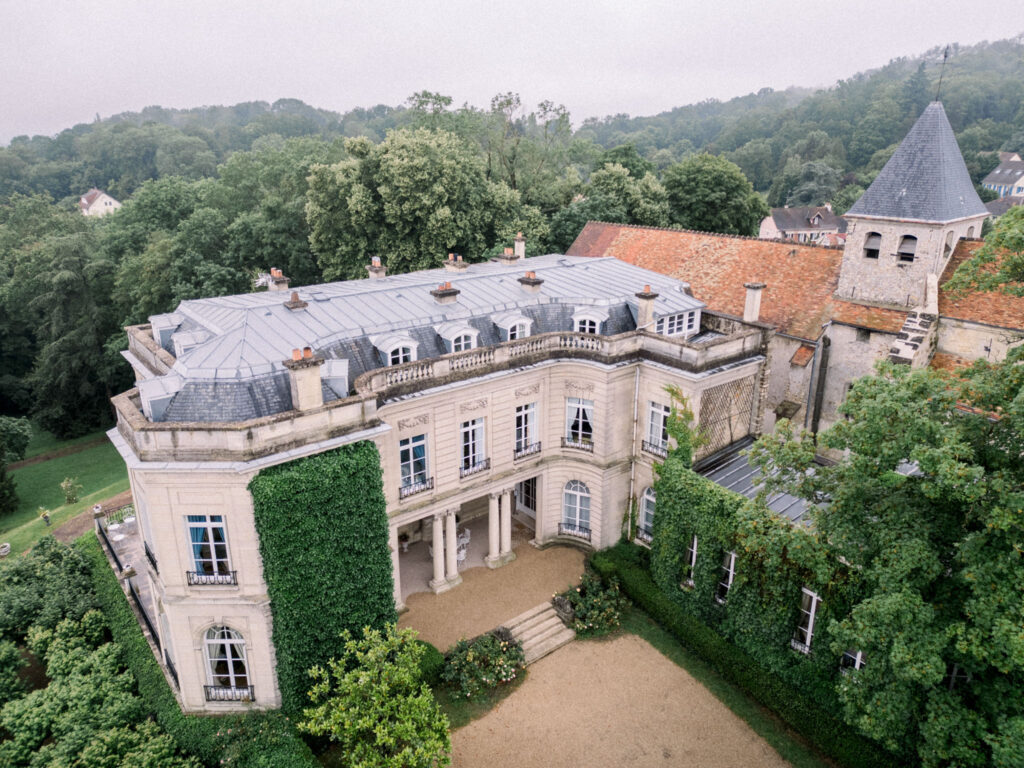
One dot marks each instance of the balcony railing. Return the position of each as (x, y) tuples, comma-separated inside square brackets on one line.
[(227, 693), (196, 579), (571, 529), (579, 445), (645, 537), (413, 488), (150, 556), (799, 645), (658, 449), (172, 670), (471, 469), (528, 450)]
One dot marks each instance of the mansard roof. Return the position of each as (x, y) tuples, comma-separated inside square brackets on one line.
[(925, 179), (790, 219)]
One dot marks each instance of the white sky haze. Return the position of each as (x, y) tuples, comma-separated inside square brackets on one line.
[(62, 63)]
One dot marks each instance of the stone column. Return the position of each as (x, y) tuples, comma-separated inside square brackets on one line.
[(506, 522), (438, 547), (493, 532), (450, 544), (393, 545)]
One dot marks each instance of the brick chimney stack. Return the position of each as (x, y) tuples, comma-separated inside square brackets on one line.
[(645, 309), (752, 306), (531, 283), (304, 377), (507, 258), (454, 263), (375, 268), (519, 246), (445, 294), (278, 282)]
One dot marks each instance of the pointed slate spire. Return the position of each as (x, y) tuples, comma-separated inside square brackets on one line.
[(925, 179)]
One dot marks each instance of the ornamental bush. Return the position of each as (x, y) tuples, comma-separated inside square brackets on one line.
[(596, 606), (475, 666)]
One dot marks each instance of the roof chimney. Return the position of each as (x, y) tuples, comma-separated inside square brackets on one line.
[(752, 306), (375, 268), (295, 302), (304, 377), (278, 282), (508, 257), (645, 309), (445, 294), (520, 246), (531, 283), (454, 263)]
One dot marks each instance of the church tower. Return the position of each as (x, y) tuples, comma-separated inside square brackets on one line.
[(907, 223)]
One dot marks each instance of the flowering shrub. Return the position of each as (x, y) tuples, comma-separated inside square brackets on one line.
[(475, 666), (596, 607)]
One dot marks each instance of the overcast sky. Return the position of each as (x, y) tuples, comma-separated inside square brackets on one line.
[(62, 63)]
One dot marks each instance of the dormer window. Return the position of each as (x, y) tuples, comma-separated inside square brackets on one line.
[(512, 325), (588, 319), (908, 245), (676, 325), (462, 343), (395, 348), (457, 335), (400, 355), (583, 325), (872, 245)]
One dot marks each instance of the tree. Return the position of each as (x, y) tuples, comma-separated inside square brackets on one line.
[(711, 194), (14, 437), (373, 703), (999, 264), (925, 510), (817, 184), (627, 156)]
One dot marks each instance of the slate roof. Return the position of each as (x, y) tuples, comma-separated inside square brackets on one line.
[(790, 219), (734, 472), (925, 179), (1001, 205), (1007, 173), (799, 278), (236, 372), (988, 307)]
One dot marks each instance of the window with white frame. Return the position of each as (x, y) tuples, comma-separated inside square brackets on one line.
[(657, 425), (576, 507), (472, 444), (851, 660), (400, 355), (674, 325), (691, 562), (579, 420), (518, 331), (512, 325), (526, 426), (584, 325), (728, 574), (209, 545), (462, 343), (226, 666), (809, 602), (646, 526), (412, 457), (588, 319)]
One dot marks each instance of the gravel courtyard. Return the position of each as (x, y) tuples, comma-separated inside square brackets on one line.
[(612, 703)]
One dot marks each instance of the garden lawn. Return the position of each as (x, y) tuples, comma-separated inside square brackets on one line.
[(100, 471), (46, 442)]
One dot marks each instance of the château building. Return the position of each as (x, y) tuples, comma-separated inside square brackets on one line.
[(519, 397)]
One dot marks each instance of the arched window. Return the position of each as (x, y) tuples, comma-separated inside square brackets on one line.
[(518, 331), (908, 246), (226, 666), (872, 244), (584, 325), (400, 355), (462, 343), (575, 510), (948, 248), (970, 232), (647, 515)]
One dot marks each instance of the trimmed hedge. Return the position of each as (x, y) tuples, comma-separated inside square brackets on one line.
[(257, 740), (323, 532), (431, 664), (804, 714)]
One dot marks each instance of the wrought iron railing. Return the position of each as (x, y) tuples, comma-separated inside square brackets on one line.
[(579, 445), (150, 556), (228, 693), (799, 645), (196, 579), (472, 469), (413, 488), (142, 612), (571, 529), (172, 670), (110, 547), (658, 449), (527, 450)]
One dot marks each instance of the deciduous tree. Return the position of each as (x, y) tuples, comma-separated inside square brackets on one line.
[(710, 194)]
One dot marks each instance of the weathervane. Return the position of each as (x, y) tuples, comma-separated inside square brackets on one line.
[(942, 72)]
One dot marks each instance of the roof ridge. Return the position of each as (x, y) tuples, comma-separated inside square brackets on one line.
[(717, 234)]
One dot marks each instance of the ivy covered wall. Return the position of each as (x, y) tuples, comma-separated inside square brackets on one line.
[(323, 532), (774, 561)]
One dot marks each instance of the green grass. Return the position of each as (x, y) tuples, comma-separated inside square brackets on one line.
[(44, 442), (100, 471), (463, 711), (782, 739)]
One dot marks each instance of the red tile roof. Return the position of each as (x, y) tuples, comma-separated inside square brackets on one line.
[(803, 355), (943, 361), (800, 278), (90, 197), (988, 307)]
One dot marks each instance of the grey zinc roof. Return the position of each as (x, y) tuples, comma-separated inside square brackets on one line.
[(238, 373), (1007, 173), (735, 473), (788, 219), (925, 179)]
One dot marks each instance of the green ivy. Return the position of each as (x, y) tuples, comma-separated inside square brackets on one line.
[(323, 532)]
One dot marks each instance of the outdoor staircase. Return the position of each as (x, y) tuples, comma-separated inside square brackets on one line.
[(540, 631)]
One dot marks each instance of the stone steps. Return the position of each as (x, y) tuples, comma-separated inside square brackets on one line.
[(540, 631)]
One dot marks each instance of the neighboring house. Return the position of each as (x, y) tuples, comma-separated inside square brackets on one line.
[(527, 390), (1009, 157), (836, 312), (1007, 179), (96, 202), (802, 225), (1001, 205)]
